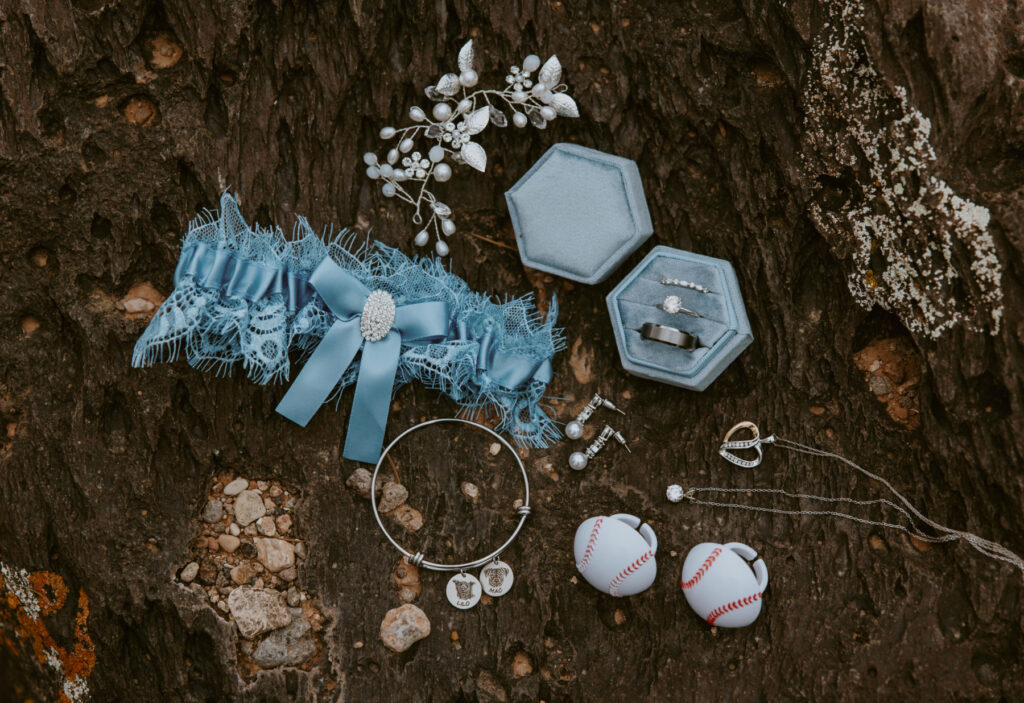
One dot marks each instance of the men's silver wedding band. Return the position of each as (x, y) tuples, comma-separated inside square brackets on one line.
[(669, 335)]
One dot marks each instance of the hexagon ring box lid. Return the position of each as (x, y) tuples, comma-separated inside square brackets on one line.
[(716, 319), (578, 213)]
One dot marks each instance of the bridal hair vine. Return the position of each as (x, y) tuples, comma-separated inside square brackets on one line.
[(455, 118), (366, 315)]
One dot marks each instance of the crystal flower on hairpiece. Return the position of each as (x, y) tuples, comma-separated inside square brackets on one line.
[(456, 117)]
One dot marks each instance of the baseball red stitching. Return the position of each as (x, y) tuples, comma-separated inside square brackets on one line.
[(613, 587), (591, 543), (702, 570), (735, 605)]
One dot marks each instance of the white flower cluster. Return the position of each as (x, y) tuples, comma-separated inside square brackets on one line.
[(456, 117)]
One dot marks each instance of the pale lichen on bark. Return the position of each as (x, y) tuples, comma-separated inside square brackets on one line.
[(910, 244)]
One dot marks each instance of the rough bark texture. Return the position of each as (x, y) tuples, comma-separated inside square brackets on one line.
[(119, 122)]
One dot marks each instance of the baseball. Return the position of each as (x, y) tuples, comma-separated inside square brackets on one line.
[(616, 554), (721, 586)]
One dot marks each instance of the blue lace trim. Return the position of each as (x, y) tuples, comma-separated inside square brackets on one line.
[(242, 294)]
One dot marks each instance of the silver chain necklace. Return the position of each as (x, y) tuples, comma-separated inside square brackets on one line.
[(912, 515)]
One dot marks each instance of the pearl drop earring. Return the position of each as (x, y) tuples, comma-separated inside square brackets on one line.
[(574, 430), (579, 460)]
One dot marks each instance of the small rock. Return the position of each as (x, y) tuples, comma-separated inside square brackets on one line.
[(267, 526), (288, 646), (289, 574), (222, 605), (407, 577), (408, 517), (300, 549), (489, 689), (208, 571), (284, 523), (251, 530), (142, 111), (229, 543), (189, 573), (275, 554), (242, 574), (470, 490), (495, 449), (234, 529), (262, 485), (212, 544), (236, 487), (359, 481), (258, 583), (248, 550), (275, 491), (257, 610), (357, 645), (213, 511), (229, 508), (619, 616), (393, 495), (521, 665), (293, 597), (404, 626), (249, 507), (269, 503)]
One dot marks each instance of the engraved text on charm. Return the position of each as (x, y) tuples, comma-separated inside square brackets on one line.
[(463, 591), (496, 578), (378, 316)]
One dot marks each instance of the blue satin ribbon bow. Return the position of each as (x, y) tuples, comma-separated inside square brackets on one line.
[(505, 369), (416, 323)]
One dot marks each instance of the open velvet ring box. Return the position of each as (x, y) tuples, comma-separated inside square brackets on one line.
[(723, 328)]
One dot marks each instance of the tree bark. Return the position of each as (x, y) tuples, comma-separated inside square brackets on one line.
[(786, 138)]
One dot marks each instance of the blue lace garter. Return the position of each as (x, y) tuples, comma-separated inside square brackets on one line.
[(367, 315)]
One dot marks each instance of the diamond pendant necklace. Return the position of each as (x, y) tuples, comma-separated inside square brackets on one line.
[(913, 518)]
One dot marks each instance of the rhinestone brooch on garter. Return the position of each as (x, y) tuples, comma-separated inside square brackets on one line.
[(378, 316)]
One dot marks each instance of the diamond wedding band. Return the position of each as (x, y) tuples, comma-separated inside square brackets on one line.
[(684, 284)]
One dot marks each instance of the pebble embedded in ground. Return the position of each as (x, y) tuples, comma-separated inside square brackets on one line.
[(404, 626)]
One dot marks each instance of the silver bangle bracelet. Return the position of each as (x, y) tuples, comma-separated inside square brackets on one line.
[(670, 335), (418, 559)]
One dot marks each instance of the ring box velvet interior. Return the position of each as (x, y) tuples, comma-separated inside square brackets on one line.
[(578, 213), (724, 330)]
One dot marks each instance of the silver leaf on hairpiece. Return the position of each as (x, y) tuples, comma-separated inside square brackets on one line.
[(564, 105), (466, 56), (474, 155), (448, 85), (477, 120), (551, 72)]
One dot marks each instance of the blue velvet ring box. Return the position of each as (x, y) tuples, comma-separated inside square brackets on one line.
[(578, 213), (724, 330)]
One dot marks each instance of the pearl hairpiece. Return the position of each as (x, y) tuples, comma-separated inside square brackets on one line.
[(453, 122)]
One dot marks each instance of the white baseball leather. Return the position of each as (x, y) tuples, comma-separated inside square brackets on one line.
[(616, 554), (721, 587)]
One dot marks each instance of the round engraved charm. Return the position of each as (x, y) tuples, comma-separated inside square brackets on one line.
[(378, 316), (496, 578), (463, 591)]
